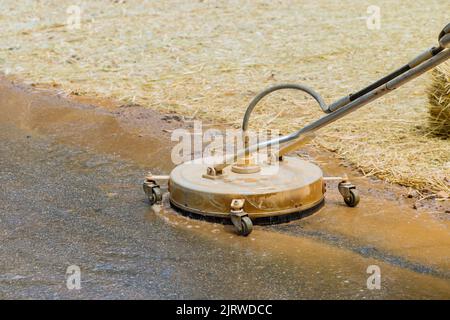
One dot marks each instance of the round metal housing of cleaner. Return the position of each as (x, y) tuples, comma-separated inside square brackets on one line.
[(276, 192), (285, 191)]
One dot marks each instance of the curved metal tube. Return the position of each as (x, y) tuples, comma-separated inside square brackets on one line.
[(445, 30), (269, 90)]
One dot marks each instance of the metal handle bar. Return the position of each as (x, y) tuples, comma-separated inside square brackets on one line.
[(421, 64)]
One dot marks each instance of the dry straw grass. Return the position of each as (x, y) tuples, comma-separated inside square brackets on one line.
[(439, 96), (207, 59)]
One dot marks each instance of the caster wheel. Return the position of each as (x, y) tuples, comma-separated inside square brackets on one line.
[(153, 193), (246, 226), (352, 199), (155, 196)]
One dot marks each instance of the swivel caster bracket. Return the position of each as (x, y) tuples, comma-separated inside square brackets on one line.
[(349, 193), (239, 218), (153, 191)]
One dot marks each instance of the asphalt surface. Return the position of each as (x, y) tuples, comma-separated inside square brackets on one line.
[(65, 201)]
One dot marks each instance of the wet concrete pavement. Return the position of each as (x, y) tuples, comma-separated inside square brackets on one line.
[(70, 194)]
